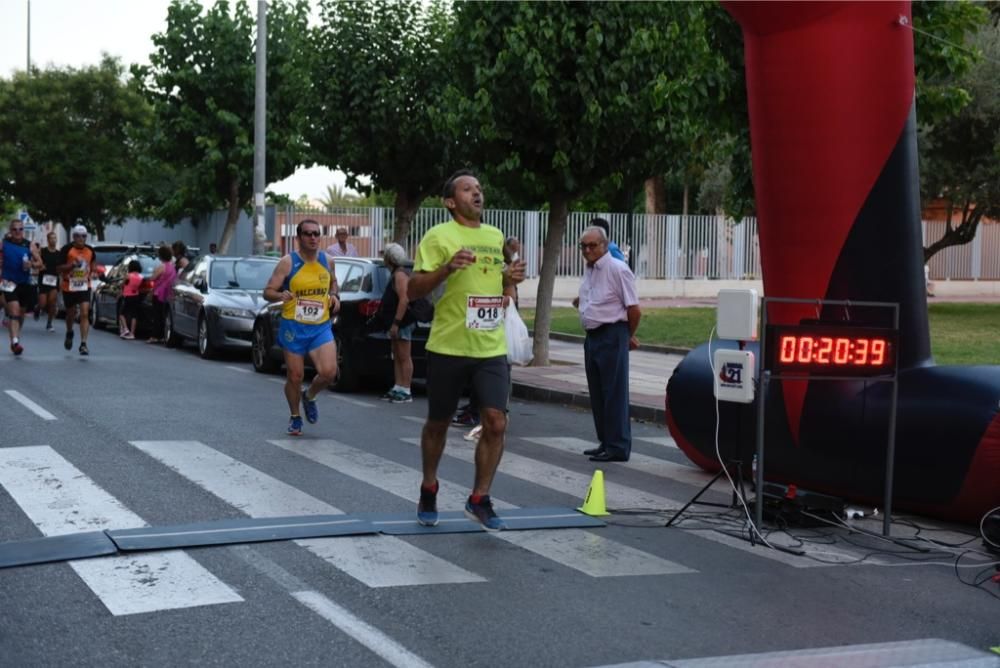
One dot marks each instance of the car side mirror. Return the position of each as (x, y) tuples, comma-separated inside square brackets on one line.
[(201, 284)]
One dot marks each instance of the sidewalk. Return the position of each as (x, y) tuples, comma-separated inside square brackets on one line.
[(565, 381)]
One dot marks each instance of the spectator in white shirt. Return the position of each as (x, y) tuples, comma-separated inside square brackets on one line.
[(342, 248)]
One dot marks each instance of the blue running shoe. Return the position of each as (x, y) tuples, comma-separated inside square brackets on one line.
[(482, 513), (427, 509), (310, 408), (295, 425)]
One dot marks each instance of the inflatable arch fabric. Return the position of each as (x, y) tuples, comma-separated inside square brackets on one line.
[(832, 121)]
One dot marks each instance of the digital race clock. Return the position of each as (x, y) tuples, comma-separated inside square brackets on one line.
[(831, 350)]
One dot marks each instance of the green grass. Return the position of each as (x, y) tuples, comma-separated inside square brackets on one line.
[(960, 333)]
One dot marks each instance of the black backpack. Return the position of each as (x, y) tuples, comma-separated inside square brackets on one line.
[(417, 310)]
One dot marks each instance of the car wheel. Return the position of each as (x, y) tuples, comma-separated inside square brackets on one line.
[(260, 352), (170, 335), (95, 320), (348, 379), (205, 347)]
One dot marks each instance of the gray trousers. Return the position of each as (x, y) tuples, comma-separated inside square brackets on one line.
[(605, 355)]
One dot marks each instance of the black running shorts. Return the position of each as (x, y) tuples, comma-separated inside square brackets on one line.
[(448, 375), (75, 298)]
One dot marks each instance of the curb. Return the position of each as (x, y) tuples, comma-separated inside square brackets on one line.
[(533, 393), (644, 347)]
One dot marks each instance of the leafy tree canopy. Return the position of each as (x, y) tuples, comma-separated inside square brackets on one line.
[(66, 142), (380, 70), (201, 85), (960, 154), (558, 97)]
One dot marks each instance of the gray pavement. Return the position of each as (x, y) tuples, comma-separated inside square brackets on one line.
[(565, 380)]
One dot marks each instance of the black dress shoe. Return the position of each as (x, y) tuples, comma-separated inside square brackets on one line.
[(606, 456), (594, 451)]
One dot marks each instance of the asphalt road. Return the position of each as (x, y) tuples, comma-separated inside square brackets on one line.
[(140, 435)]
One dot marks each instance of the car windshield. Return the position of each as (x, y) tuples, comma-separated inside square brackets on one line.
[(148, 263), (110, 256), (242, 274)]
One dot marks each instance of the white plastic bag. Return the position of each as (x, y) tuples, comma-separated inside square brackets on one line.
[(518, 341)]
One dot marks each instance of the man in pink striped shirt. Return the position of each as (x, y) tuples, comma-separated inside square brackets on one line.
[(609, 312)]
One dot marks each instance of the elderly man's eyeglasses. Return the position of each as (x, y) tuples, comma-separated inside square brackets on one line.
[(17, 229), (310, 234), (590, 246)]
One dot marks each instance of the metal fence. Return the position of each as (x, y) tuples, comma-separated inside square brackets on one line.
[(977, 260), (658, 246)]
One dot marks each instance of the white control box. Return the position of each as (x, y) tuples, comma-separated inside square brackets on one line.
[(736, 315), (734, 376)]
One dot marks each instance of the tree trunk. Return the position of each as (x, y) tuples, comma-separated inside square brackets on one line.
[(956, 236), (558, 213), (656, 195), (406, 208), (232, 217)]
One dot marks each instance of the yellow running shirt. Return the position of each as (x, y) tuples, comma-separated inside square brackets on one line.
[(468, 318), (310, 283)]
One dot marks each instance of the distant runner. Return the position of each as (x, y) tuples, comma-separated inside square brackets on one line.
[(78, 266), (17, 261)]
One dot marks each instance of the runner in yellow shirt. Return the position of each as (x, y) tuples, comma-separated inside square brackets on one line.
[(305, 282), (467, 342)]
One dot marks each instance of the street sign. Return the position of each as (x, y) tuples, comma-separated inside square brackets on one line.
[(29, 224)]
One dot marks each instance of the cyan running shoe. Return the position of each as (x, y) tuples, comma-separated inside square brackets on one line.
[(427, 509), (482, 512), (295, 425), (310, 408), (400, 397)]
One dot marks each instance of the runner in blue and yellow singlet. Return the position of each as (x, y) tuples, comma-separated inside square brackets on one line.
[(305, 283)]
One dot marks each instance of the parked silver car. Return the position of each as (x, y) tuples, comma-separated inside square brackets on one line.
[(215, 301)]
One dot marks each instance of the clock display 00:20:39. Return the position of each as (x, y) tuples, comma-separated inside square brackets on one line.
[(833, 351)]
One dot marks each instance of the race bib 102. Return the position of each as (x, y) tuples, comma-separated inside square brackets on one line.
[(310, 310), (50, 279)]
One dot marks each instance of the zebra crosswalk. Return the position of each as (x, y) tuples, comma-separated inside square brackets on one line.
[(59, 498)]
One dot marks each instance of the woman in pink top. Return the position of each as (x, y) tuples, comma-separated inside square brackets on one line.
[(130, 306), (163, 285)]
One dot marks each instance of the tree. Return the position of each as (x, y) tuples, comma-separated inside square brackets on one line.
[(67, 143), (382, 72), (200, 84), (562, 96), (960, 154)]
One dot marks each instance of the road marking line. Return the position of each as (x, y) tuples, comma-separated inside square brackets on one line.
[(638, 462), (659, 440), (30, 405), (366, 634), (377, 561), (356, 402), (240, 369), (580, 550), (60, 499), (370, 637)]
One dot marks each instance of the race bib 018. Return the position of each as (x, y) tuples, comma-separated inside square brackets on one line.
[(484, 312)]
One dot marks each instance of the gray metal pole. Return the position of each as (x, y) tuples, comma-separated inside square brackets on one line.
[(259, 131)]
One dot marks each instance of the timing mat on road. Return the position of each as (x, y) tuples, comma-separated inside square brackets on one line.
[(258, 530)]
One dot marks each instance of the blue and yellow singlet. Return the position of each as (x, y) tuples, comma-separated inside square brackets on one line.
[(310, 283)]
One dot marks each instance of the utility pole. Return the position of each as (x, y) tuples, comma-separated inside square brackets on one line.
[(259, 131), (29, 39)]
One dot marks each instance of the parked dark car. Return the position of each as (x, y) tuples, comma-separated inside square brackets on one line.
[(106, 299), (363, 350), (215, 301)]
